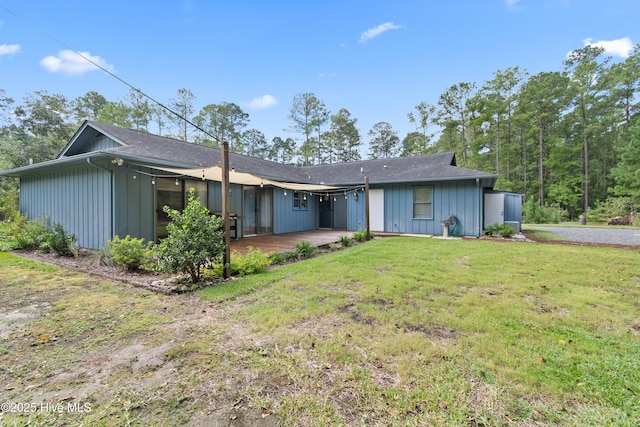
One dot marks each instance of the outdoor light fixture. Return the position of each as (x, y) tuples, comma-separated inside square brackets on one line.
[(320, 199), (304, 196), (134, 176), (153, 180), (285, 191), (345, 195), (261, 182), (177, 182), (117, 161), (355, 195)]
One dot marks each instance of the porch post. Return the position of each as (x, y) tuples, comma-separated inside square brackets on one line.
[(226, 229), (366, 201)]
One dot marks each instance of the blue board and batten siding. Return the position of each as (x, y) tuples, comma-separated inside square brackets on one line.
[(286, 219), (460, 198), (80, 199), (134, 202)]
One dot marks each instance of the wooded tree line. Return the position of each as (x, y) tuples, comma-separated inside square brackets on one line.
[(568, 138)]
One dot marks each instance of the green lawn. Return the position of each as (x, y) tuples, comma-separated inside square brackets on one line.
[(396, 331)]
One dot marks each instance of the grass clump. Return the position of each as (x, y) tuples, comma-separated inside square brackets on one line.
[(345, 240), (304, 249)]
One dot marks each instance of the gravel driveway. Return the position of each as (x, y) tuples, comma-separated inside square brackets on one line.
[(610, 236)]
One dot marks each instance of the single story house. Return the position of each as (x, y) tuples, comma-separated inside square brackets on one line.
[(111, 181)]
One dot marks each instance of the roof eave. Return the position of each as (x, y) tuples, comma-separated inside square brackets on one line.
[(138, 161), (492, 178)]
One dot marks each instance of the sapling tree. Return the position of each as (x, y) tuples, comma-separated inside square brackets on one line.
[(194, 242)]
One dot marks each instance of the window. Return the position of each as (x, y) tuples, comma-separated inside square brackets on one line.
[(299, 201), (200, 191), (174, 193), (422, 202)]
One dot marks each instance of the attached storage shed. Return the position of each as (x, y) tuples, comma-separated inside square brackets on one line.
[(503, 208)]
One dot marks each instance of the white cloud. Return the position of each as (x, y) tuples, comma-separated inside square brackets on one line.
[(511, 2), (9, 49), (620, 47), (264, 101), (375, 32), (326, 75), (72, 63)]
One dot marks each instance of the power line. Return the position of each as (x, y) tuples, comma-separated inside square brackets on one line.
[(121, 80)]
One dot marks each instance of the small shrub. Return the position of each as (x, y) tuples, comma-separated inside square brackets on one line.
[(533, 213), (254, 261), (361, 235), (304, 249), (277, 257), (28, 234), (345, 240), (501, 229), (59, 241), (194, 242), (130, 252)]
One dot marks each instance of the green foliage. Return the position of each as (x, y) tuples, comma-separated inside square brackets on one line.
[(37, 234), (501, 229), (130, 252), (9, 204), (533, 213), (194, 242), (626, 171), (252, 262), (304, 249), (610, 208), (59, 241), (27, 234), (277, 257), (361, 235), (345, 240)]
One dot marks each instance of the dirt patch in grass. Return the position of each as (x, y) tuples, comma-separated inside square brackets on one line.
[(82, 351)]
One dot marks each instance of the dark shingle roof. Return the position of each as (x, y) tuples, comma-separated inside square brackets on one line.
[(162, 149), (433, 167), (154, 150)]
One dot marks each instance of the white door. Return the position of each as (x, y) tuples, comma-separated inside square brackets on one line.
[(376, 209), (493, 209)]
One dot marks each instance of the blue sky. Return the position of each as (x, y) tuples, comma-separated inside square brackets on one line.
[(378, 59)]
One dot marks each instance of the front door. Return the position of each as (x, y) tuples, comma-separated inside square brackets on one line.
[(493, 209), (326, 212)]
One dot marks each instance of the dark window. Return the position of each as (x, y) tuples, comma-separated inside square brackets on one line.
[(299, 201)]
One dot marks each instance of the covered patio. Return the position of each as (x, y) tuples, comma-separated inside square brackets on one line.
[(287, 241)]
